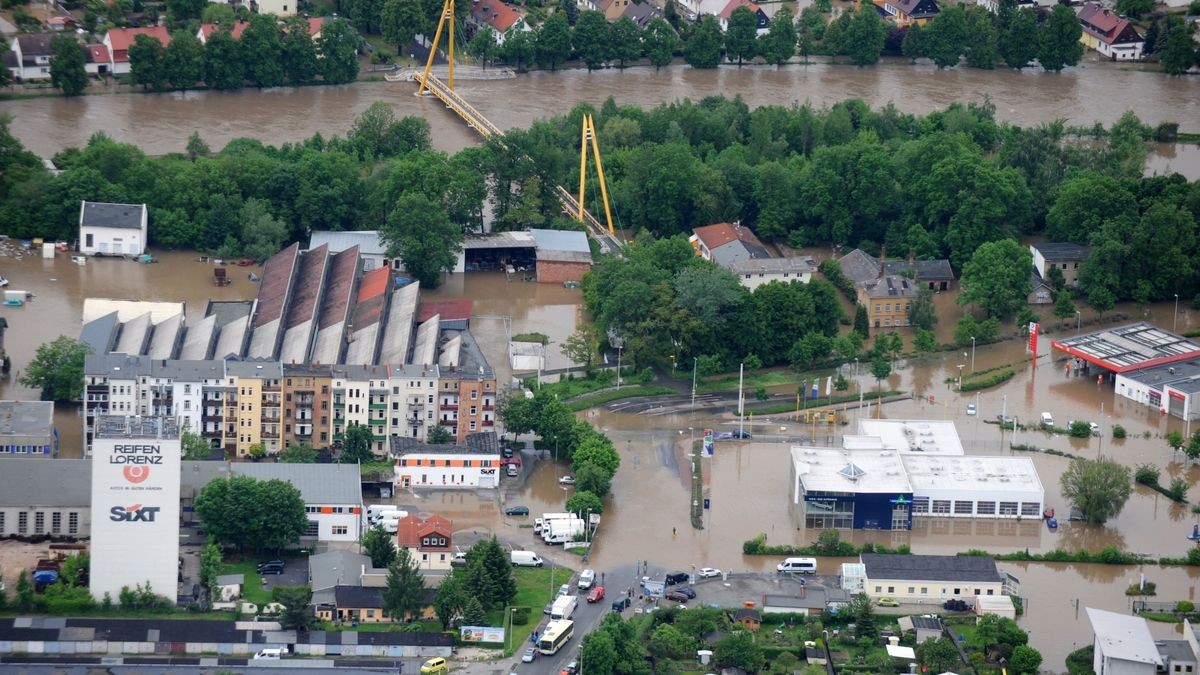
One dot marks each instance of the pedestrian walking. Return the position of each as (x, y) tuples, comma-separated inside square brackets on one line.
[(672, 532)]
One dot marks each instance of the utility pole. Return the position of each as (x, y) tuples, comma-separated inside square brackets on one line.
[(1003, 420), (695, 362)]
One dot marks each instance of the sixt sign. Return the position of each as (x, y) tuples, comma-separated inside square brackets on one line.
[(136, 454), (133, 514)]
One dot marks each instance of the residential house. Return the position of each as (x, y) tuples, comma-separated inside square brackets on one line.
[(27, 429), (908, 12), (1040, 291), (888, 300), (31, 56), (429, 540), (118, 40), (207, 29), (280, 8), (758, 271), (641, 13), (926, 578), (861, 267), (474, 464), (1067, 257), (341, 567), (1122, 644), (354, 603), (993, 6), (112, 229), (925, 627), (726, 244), (59, 24), (307, 409), (97, 60), (1177, 656), (1110, 34), (1000, 605), (723, 9), (466, 387), (499, 15)]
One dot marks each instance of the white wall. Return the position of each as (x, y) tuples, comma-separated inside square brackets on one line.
[(135, 546), (1132, 389), (455, 475), (106, 240), (934, 591), (754, 280), (326, 522)]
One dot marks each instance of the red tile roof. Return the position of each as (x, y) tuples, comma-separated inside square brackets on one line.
[(734, 4), (121, 38), (97, 53), (495, 13), (450, 310), (373, 283), (716, 236), (315, 26), (1101, 22), (410, 529), (207, 29)]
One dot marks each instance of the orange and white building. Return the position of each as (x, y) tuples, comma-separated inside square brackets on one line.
[(472, 464)]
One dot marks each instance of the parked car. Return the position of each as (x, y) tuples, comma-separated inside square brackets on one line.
[(459, 559), (433, 666), (676, 578), (565, 589), (571, 669), (596, 594), (512, 471), (566, 480), (971, 409), (622, 604), (740, 434), (529, 655), (507, 452), (517, 511), (548, 608), (709, 572), (888, 602), (688, 591), (273, 567), (677, 596)]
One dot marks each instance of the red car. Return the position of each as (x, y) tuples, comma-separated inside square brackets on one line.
[(596, 594)]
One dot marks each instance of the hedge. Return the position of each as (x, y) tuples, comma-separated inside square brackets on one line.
[(998, 378)]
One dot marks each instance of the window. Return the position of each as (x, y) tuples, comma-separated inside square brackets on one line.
[(56, 522), (1030, 509), (962, 508), (941, 506), (991, 590), (924, 590), (912, 590), (891, 589), (1008, 508), (313, 530), (22, 522), (1, 522), (877, 307), (879, 589), (976, 591), (340, 529), (39, 522), (920, 505), (985, 508)]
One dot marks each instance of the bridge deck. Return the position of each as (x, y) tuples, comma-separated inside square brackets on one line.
[(485, 128)]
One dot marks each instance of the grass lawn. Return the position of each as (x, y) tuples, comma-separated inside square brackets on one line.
[(635, 391), (764, 378), (823, 402), (534, 590), (252, 590)]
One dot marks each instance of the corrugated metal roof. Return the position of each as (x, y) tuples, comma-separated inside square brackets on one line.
[(367, 241), (30, 482), (1120, 636), (561, 240)]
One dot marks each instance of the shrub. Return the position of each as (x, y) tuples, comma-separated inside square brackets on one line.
[(1177, 490), (1185, 607), (995, 379), (1146, 474), (1080, 429), (1118, 431)]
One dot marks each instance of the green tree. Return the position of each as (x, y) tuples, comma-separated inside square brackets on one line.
[(519, 48), (300, 453), (625, 41), (1178, 52), (483, 45), (367, 14), (1064, 308), (863, 611), (1019, 40), (183, 60), (703, 47), (1084, 203), (1098, 488), (1134, 9), (584, 502), (591, 478), (210, 567), (581, 348), (192, 445), (925, 341), (299, 54), (946, 38), (439, 434), (599, 652), (938, 655), (295, 600), (553, 42), (405, 592), (356, 447), (338, 45), (597, 450), (244, 512), (862, 324), (570, 9), (661, 42), (982, 50), (738, 650), (401, 20), (829, 542), (1101, 299), (146, 66), (473, 612), (740, 42), (223, 68), (913, 46), (590, 39), (1058, 39), (57, 369), (450, 600), (810, 29), (923, 314), (262, 51), (881, 368), (1025, 660), (67, 70), (779, 44), (997, 277), (489, 575), (865, 36), (263, 235), (419, 232), (666, 642), (380, 546)]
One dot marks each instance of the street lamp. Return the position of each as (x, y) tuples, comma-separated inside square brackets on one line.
[(695, 362), (1076, 322), (972, 353), (508, 616)]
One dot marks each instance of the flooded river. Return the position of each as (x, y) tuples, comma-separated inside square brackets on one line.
[(161, 123)]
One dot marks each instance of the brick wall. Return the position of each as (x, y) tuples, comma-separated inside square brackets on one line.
[(550, 272)]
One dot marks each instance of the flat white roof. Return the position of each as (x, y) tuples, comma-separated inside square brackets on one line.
[(971, 473), (925, 436), (1120, 636), (994, 603), (836, 470), (128, 310)]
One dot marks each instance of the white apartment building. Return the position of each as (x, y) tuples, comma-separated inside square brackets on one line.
[(474, 464)]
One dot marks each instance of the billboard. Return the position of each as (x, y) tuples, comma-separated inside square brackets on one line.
[(708, 442), (481, 634), (135, 515)]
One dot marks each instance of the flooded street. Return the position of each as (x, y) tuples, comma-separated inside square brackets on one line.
[(161, 123)]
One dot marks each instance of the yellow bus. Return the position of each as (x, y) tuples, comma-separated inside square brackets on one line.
[(557, 634)]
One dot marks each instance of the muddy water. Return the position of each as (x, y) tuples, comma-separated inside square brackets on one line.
[(161, 123)]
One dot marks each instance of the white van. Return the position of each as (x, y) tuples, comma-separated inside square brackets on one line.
[(798, 565), (374, 510), (394, 514), (525, 559), (1047, 419), (270, 654), (563, 607), (586, 579)]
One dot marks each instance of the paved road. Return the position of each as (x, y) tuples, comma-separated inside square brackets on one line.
[(282, 666)]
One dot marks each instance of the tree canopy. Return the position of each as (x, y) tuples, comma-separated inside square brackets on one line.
[(57, 369), (267, 515), (1099, 488)]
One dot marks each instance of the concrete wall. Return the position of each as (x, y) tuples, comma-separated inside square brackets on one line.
[(11, 521)]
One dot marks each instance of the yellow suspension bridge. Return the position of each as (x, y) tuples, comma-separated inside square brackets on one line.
[(427, 81)]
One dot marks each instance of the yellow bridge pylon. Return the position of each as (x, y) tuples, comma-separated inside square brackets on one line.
[(445, 20), (589, 134)]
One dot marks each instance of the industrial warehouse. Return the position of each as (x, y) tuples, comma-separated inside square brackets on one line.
[(895, 470)]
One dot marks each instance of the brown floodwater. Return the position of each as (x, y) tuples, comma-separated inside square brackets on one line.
[(161, 123)]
